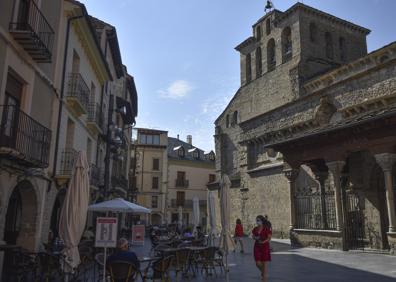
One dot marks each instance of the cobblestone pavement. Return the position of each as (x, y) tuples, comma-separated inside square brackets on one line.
[(305, 264)]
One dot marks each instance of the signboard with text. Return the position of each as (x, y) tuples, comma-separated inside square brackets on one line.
[(138, 232), (106, 232)]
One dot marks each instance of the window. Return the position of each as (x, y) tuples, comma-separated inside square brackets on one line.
[(89, 150), (76, 62), (248, 68), (154, 202), (156, 139), (313, 32), (181, 179), (212, 178), (70, 134), (259, 64), (258, 32), (329, 45), (234, 118), (155, 183), (287, 47), (196, 154), (212, 156), (181, 152), (341, 43), (180, 198), (271, 61), (268, 26), (227, 121), (155, 164), (149, 139)]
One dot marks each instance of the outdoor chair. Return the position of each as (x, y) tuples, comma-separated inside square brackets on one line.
[(159, 270), (19, 266), (219, 259), (49, 267), (122, 271), (206, 259), (182, 261)]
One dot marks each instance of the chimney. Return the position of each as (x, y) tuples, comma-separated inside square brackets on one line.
[(189, 139), (177, 136)]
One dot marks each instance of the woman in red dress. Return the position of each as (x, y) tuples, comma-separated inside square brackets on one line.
[(262, 235), (238, 236)]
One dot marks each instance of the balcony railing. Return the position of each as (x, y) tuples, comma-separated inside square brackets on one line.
[(95, 118), (68, 158), (96, 176), (119, 181), (186, 203), (78, 94), (29, 139), (32, 30), (183, 183)]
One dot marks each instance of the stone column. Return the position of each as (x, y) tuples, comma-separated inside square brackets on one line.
[(291, 175), (386, 162), (335, 169), (321, 177)]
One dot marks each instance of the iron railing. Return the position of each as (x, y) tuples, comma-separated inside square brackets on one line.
[(183, 183), (186, 203), (78, 89), (33, 31), (316, 211), (68, 157), (95, 115), (96, 176), (25, 135)]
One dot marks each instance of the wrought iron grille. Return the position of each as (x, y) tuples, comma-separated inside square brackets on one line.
[(315, 210), (78, 89), (95, 114), (96, 176), (32, 27), (68, 158), (22, 133), (183, 183)]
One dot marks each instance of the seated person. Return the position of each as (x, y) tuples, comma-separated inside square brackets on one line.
[(200, 235), (187, 233), (123, 254)]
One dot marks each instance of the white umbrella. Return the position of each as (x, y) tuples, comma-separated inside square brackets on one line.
[(226, 242), (212, 198), (180, 218), (196, 216), (118, 205), (74, 211)]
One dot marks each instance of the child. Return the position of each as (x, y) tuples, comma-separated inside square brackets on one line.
[(239, 234)]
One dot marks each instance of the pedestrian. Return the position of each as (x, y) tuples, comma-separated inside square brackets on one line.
[(262, 235), (238, 236)]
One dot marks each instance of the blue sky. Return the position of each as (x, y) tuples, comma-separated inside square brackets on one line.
[(181, 52)]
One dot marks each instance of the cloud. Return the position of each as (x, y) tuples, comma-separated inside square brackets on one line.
[(177, 90)]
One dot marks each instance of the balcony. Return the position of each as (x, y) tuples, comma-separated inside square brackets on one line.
[(77, 95), (182, 183), (95, 119), (33, 32), (96, 176), (68, 157), (23, 139), (187, 204)]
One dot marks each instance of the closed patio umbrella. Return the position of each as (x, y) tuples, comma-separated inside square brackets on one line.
[(226, 242), (212, 197), (196, 216), (74, 211), (180, 218)]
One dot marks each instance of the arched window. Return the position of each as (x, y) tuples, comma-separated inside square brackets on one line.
[(248, 68), (329, 45), (313, 32), (234, 118), (286, 44), (258, 32), (181, 152), (227, 121), (271, 61), (268, 26), (341, 44), (259, 64)]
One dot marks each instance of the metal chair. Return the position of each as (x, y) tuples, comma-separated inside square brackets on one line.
[(160, 270), (122, 271), (182, 261)]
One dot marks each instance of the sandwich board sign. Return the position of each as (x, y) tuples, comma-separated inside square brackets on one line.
[(106, 232), (138, 234)]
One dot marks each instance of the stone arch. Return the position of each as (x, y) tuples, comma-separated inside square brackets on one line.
[(271, 57), (56, 210), (248, 68), (287, 46), (22, 213), (329, 45)]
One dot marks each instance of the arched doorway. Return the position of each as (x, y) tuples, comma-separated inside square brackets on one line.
[(156, 219), (56, 210), (21, 217)]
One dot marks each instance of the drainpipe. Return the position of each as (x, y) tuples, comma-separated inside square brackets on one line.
[(69, 20)]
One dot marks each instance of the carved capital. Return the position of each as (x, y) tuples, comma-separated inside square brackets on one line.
[(291, 174), (386, 161), (336, 167)]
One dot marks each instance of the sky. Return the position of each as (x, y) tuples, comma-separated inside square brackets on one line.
[(181, 52)]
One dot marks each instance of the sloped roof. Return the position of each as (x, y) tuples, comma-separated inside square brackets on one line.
[(175, 144)]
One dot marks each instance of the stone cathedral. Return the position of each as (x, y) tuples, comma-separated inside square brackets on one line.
[(309, 139)]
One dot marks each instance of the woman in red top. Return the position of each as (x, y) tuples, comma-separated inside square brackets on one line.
[(238, 234), (262, 235)]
